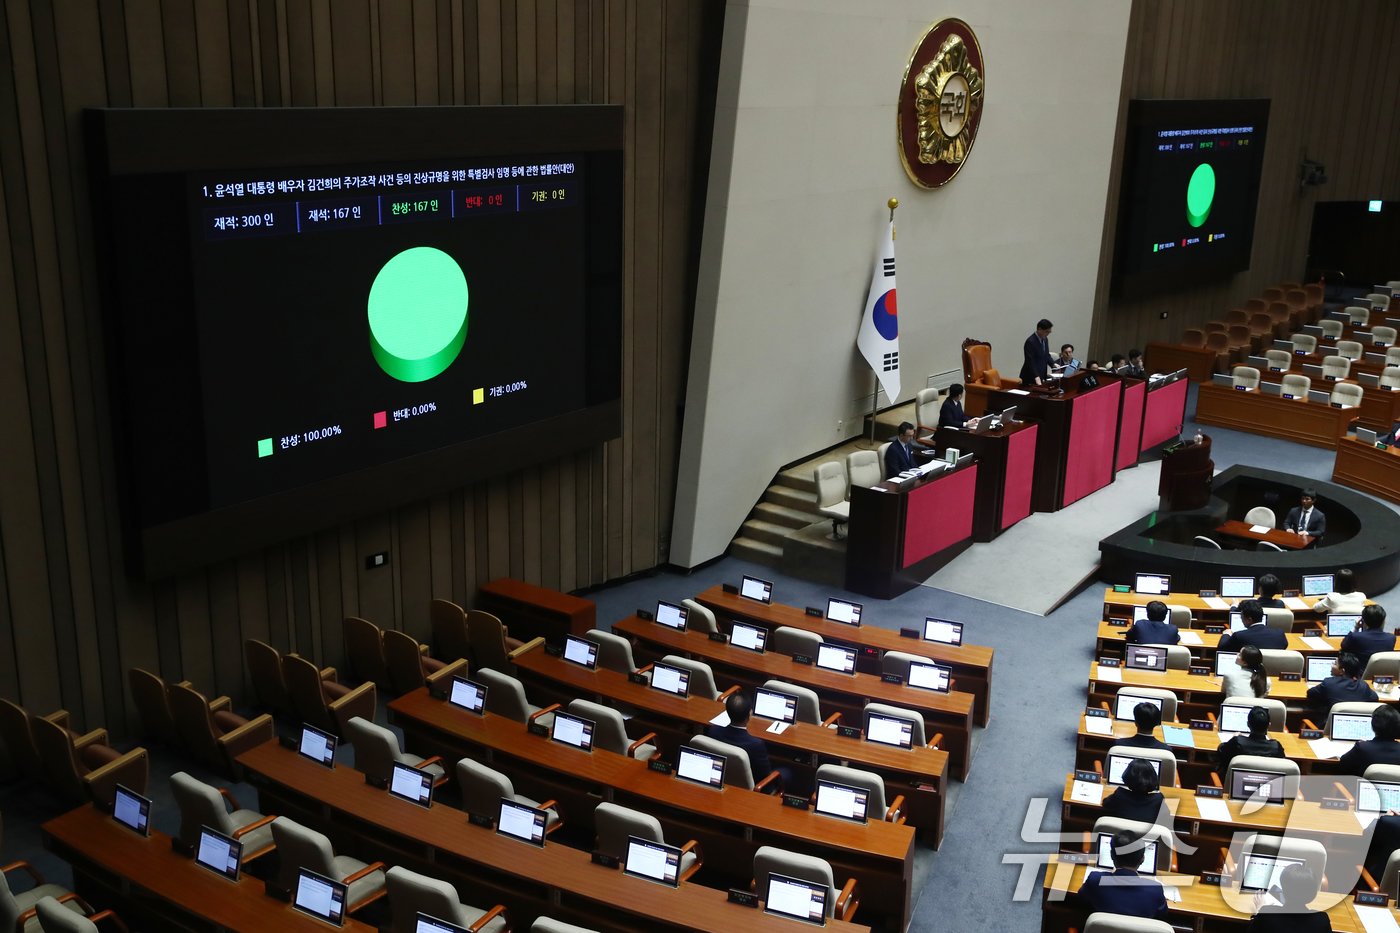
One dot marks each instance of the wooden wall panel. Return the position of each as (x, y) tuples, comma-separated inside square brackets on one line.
[(1325, 66), (72, 621)]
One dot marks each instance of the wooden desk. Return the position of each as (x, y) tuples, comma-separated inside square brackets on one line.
[(1119, 605), (530, 611), (153, 888), (1074, 449), (1005, 466), (1199, 362), (1165, 409), (971, 664), (1314, 424), (555, 880), (949, 713), (1111, 642), (1368, 468), (1289, 541), (1196, 761), (920, 774), (730, 823)]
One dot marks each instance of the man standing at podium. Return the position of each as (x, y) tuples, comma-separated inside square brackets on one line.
[(1037, 353)]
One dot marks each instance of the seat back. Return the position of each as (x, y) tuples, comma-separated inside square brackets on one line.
[(1310, 850), (308, 696), (1289, 769), (482, 788), (1383, 336), (809, 706), (1379, 300), (699, 618), (830, 478), (1392, 356), (505, 696), (195, 726), (1389, 773), (915, 720), (1391, 876), (1180, 616), (977, 359), (56, 918), (1150, 832), (300, 847), (883, 448), (738, 772), (1359, 315), (18, 736), (376, 748), (364, 649), (9, 907), (1390, 377), (897, 662), (265, 671), (1282, 661), (1336, 367), (926, 405), (615, 824), (771, 859), (200, 805), (1122, 923), (486, 637), (1246, 376), (1193, 337), (1351, 349), (1277, 711), (449, 624), (614, 651), (864, 467), (1178, 658), (1385, 663), (1304, 343), (411, 894), (1239, 335), (1346, 393), (1297, 386), (1349, 706), (403, 662), (152, 705), (1166, 774), (1261, 515), (550, 925), (1331, 327), (1206, 542), (789, 641), (59, 759), (1167, 697), (702, 678), (1280, 359), (1281, 619), (610, 731), (872, 783)]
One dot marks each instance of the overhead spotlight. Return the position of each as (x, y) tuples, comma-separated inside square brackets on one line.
[(1311, 174)]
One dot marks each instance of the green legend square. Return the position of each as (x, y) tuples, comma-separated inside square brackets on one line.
[(265, 447)]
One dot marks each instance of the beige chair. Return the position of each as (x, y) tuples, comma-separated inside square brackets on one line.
[(615, 824), (772, 860), (449, 625), (738, 772), (1279, 360), (152, 706), (213, 733), (54, 917), (1335, 368), (1167, 697), (203, 805), (550, 925), (915, 720), (830, 478), (1392, 356), (874, 787), (408, 665), (1281, 660), (364, 650), (1166, 761), (926, 407), (614, 651), (301, 847), (1346, 706), (1296, 385), (1304, 343), (1178, 657), (864, 468), (1389, 878), (1383, 336), (505, 696), (325, 704), (1347, 394), (491, 643), (1281, 619), (1261, 515), (1359, 316), (610, 731), (1331, 327), (17, 913), (1278, 713), (809, 705), (1351, 349), (1390, 378), (897, 663), (1379, 300), (1384, 663), (483, 788), (1245, 376), (881, 453), (790, 641), (377, 750), (702, 677), (1147, 832), (1180, 616), (1289, 769), (699, 618), (411, 894), (1309, 850), (71, 774), (1121, 923)]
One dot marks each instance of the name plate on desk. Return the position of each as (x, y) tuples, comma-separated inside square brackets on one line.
[(908, 633), (1118, 623), (802, 659), (1314, 633), (729, 588), (606, 860), (378, 782), (554, 651), (1208, 594), (287, 741), (1371, 899), (1203, 725), (656, 764), (645, 616), (480, 819), (1088, 777), (1108, 662), (1198, 671), (637, 677), (1335, 803), (1215, 629), (896, 679), (1096, 712), (814, 612), (743, 898), (1309, 734), (1210, 790), (796, 801), (848, 732), (1290, 677), (719, 637), (1383, 680), (537, 728), (1211, 878), (1074, 858), (1122, 588)]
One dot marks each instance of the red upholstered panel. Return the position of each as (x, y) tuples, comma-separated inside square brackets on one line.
[(939, 515), (1166, 410), (1092, 432), (1130, 424), (1020, 468)]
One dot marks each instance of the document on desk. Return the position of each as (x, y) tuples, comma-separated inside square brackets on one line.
[(1017, 392), (1111, 675), (1189, 637), (1216, 603), (1296, 604), (722, 719), (1260, 529), (1172, 893), (1365, 818), (1214, 811), (778, 728), (1329, 748), (1376, 919), (1084, 792), (1320, 644), (1175, 735), (1098, 725)]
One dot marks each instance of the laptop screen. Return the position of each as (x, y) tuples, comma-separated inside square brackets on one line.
[(1105, 854), (1139, 613), (1155, 584), (655, 861), (1317, 584), (1320, 667), (1234, 718), (887, 730), (412, 784), (1339, 624), (1261, 872), (521, 822), (427, 924), (132, 810), (1236, 587), (839, 610), (670, 679), (700, 767), (581, 651), (1123, 707), (1226, 662), (1351, 727), (468, 695), (754, 588), (842, 800), (670, 615), (1377, 796), (1237, 621), (219, 853), (771, 704), (319, 896), (792, 897), (836, 658), (1117, 764), (748, 636), (317, 745), (930, 676), (943, 631), (572, 730), (1265, 786), (1147, 657)]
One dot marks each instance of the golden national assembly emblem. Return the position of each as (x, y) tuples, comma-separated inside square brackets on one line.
[(940, 103)]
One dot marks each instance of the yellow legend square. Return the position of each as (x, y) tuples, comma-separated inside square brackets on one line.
[(478, 396)]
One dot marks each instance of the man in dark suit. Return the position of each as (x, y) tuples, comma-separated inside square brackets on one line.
[(1134, 367), (1147, 717), (1382, 750), (1391, 437), (1371, 637), (1123, 891), (1306, 518), (1155, 629), (1255, 632), (900, 455), (951, 414), (1037, 354), (739, 706), (1269, 588), (1344, 686)]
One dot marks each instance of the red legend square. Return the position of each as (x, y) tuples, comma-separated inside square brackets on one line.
[(381, 419)]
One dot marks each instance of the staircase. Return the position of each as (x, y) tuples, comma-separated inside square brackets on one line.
[(788, 505)]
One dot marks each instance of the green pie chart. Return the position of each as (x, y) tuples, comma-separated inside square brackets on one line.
[(417, 314), (1200, 194)]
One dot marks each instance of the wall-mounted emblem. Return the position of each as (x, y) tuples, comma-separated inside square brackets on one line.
[(940, 103)]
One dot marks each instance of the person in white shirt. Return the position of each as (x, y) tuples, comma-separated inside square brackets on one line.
[(1345, 598)]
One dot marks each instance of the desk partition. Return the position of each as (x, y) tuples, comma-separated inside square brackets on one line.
[(1164, 412), (1074, 451)]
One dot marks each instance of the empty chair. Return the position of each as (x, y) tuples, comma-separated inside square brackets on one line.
[(1389, 878), (1239, 315), (1379, 300), (864, 466), (54, 917), (377, 750), (738, 772), (202, 805), (830, 478), (1154, 832), (301, 847), (1304, 343), (17, 734), (483, 787), (1219, 344), (1281, 619), (1101, 922), (926, 407), (772, 860), (1351, 349), (75, 775), (699, 618), (702, 678), (505, 696), (1383, 336), (152, 706), (610, 731), (364, 649), (1167, 697), (1392, 356), (1281, 660), (1277, 711), (265, 671), (1269, 546), (897, 663), (411, 894), (1261, 515), (1384, 663), (449, 623), (1279, 360), (1166, 761), (550, 925), (614, 651), (1390, 378), (790, 641), (1335, 368), (616, 823), (213, 733), (874, 787), (1241, 338), (1289, 770), (1359, 315), (1331, 327), (1180, 616), (1205, 542), (915, 720), (1296, 385), (491, 643), (1193, 337), (1347, 394), (15, 905), (1178, 657), (325, 704), (406, 664), (809, 707), (1246, 377)]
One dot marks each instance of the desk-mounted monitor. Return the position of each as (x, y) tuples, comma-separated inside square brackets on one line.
[(1105, 854), (796, 899), (700, 767), (1125, 702), (654, 861), (1236, 587), (317, 745), (1377, 796), (844, 611), (1259, 786), (1319, 667), (1234, 718), (672, 680), (943, 631), (319, 896), (836, 658), (132, 810), (429, 924), (1351, 727), (521, 822), (574, 731), (581, 651), (468, 695), (749, 637), (756, 589), (934, 677), (1237, 621), (1317, 584), (1342, 623), (412, 784), (889, 730), (219, 853), (1261, 872), (1146, 657), (1226, 662), (774, 704), (1153, 584), (842, 800), (671, 615), (1117, 764)]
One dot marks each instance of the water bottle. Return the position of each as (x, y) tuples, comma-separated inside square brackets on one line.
[(1198, 438)]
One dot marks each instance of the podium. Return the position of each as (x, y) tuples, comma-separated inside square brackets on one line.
[(1186, 476), (1005, 467)]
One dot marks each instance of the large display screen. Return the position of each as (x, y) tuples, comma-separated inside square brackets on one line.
[(319, 313), (1189, 193)]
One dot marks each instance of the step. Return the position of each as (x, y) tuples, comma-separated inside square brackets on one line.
[(760, 552), (767, 532), (799, 477), (791, 498), (775, 514)]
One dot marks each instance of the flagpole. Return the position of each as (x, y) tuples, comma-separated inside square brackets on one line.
[(892, 203)]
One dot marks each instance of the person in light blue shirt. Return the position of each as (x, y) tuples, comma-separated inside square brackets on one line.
[(1065, 364)]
